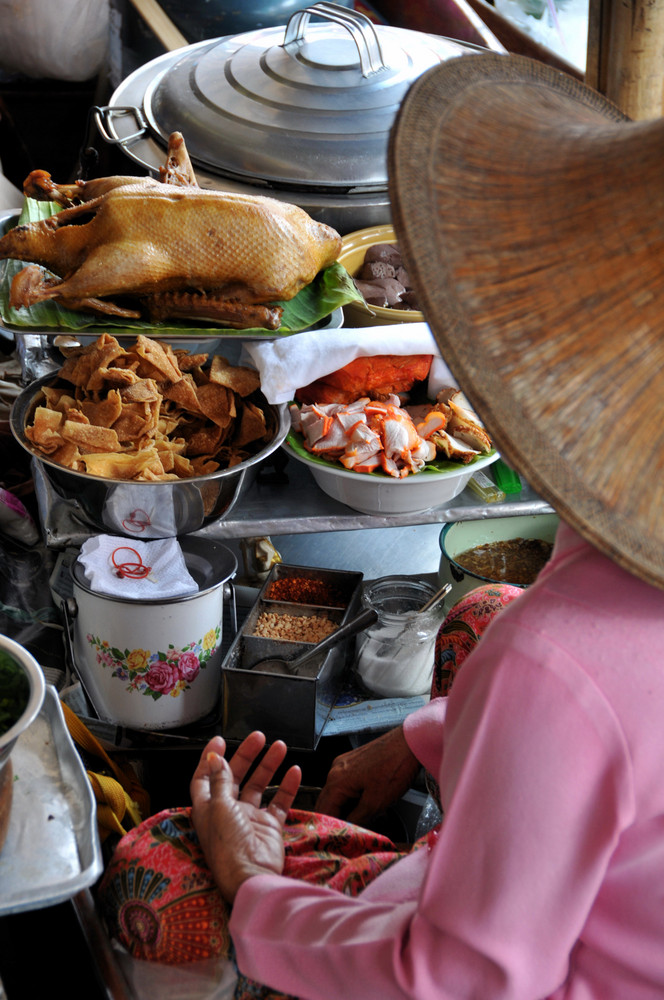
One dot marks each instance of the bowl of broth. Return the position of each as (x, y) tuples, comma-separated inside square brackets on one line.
[(495, 550)]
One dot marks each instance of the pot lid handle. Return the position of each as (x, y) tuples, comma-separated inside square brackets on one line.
[(356, 23)]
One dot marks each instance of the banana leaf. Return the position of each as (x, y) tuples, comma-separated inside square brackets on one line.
[(331, 289)]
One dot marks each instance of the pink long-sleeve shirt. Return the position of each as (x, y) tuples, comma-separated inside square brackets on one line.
[(547, 877)]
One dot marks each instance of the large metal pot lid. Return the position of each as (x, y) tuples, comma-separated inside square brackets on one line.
[(301, 106)]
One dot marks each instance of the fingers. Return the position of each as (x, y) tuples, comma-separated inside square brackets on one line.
[(199, 785), (221, 778), (363, 811), (342, 789), (244, 757), (331, 802), (264, 773), (215, 776), (285, 795)]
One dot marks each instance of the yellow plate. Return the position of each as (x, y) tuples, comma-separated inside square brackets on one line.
[(353, 248)]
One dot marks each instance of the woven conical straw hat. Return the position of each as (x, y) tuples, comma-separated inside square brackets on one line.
[(530, 212)]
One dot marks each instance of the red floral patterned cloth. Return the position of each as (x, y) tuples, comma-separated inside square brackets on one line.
[(160, 901), (462, 629), (463, 626)]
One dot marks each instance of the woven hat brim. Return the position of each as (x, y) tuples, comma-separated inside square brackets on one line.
[(530, 213)]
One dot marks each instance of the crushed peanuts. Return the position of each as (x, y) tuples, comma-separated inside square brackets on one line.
[(293, 628)]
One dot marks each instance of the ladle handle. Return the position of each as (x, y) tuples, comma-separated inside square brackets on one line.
[(361, 621)]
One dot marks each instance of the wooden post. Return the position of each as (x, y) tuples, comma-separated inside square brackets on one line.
[(625, 59), (160, 23)]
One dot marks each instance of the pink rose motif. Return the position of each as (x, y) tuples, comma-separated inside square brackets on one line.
[(162, 677), (188, 666)]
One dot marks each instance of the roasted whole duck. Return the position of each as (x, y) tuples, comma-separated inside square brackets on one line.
[(167, 249)]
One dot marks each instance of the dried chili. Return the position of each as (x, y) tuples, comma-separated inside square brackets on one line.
[(306, 590)]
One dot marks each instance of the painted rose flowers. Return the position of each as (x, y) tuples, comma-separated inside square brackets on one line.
[(164, 672)]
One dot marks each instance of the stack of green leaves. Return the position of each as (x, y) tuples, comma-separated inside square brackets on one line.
[(14, 692)]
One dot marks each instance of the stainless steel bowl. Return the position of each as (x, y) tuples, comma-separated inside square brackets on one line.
[(147, 510)]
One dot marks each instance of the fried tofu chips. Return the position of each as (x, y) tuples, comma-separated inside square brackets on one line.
[(149, 413)]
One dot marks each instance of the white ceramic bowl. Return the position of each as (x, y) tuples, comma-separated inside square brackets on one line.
[(353, 249), (27, 663), (459, 536), (371, 494)]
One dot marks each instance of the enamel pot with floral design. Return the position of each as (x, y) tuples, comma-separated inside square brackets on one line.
[(154, 664)]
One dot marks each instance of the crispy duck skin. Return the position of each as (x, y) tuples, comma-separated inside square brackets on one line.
[(138, 238)]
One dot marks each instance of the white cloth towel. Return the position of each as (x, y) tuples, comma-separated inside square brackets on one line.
[(130, 507), (168, 577), (289, 363)]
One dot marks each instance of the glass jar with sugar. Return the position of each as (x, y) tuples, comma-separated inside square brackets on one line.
[(394, 657)]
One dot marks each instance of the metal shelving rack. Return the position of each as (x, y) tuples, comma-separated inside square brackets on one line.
[(286, 502), (283, 497)]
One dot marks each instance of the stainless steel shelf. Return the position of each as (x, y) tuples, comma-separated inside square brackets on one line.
[(292, 503), (285, 502)]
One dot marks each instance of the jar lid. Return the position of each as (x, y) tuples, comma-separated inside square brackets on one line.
[(398, 596), (310, 105)]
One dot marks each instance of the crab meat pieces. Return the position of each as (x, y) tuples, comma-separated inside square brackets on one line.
[(434, 421), (400, 442), (362, 453), (463, 422), (364, 435)]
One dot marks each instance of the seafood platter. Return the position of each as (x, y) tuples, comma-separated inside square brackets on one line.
[(372, 439), (296, 607)]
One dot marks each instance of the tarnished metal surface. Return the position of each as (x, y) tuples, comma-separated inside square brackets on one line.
[(296, 504), (52, 849), (283, 706)]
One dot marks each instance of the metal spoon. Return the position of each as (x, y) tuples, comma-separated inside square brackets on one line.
[(436, 599), (275, 665)]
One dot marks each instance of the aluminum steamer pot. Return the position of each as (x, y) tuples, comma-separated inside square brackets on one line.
[(147, 510), (300, 112), (152, 665)]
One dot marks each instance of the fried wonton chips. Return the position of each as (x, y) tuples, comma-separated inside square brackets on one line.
[(147, 413)]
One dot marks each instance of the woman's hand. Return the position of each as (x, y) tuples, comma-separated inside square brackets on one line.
[(370, 778), (240, 838)]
